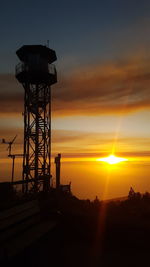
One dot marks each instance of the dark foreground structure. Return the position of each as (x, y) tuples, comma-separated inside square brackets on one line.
[(94, 234)]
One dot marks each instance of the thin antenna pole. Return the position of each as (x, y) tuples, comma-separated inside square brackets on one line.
[(13, 168)]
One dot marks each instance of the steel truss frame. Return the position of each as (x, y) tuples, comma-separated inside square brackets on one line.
[(37, 137)]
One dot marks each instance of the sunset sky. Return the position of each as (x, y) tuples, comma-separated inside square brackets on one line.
[(101, 103)]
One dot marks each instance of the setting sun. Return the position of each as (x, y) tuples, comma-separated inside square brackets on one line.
[(112, 159)]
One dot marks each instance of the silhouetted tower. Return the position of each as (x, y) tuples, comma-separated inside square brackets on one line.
[(57, 162), (36, 73)]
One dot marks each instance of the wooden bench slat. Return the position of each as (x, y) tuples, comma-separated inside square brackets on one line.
[(18, 217), (19, 208), (27, 238), (18, 229)]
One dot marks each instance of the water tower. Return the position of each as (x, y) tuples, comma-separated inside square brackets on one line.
[(36, 73)]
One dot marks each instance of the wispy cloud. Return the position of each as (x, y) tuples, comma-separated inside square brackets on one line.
[(112, 88), (117, 87), (11, 94), (83, 144)]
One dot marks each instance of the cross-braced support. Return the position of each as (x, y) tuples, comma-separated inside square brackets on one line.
[(37, 136)]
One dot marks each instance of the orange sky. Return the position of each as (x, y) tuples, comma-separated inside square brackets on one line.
[(95, 110)]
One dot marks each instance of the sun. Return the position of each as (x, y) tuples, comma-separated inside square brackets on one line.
[(112, 159)]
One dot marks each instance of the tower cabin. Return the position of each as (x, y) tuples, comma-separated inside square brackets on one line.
[(36, 65)]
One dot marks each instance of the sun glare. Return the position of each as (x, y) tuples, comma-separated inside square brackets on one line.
[(112, 159)]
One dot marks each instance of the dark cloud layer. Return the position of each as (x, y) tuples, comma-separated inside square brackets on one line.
[(111, 88), (11, 94)]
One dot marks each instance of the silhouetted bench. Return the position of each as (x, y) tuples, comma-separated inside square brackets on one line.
[(20, 226)]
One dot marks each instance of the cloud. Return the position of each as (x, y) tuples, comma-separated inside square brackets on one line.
[(11, 94), (79, 144), (113, 88), (116, 87)]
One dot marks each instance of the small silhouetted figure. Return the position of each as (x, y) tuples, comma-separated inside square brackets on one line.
[(131, 193), (134, 195), (96, 202)]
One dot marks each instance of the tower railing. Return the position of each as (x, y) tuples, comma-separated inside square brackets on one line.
[(22, 67)]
